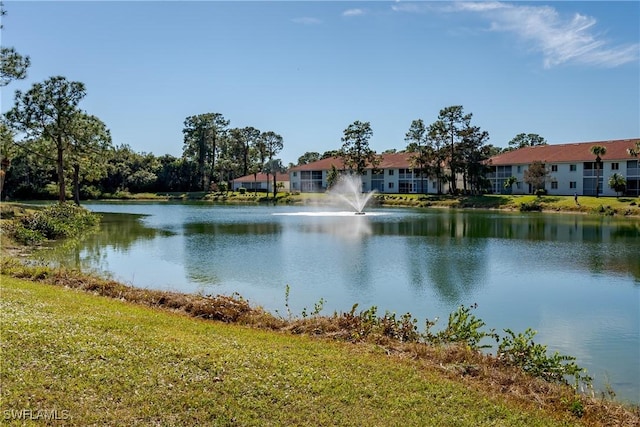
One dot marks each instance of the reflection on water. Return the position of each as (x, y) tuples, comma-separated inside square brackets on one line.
[(575, 279)]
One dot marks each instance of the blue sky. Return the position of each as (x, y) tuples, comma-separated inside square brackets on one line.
[(568, 71)]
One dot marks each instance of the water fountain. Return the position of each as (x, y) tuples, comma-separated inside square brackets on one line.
[(349, 189)]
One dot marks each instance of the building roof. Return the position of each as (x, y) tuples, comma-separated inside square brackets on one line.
[(322, 164), (565, 153), (262, 177), (387, 161)]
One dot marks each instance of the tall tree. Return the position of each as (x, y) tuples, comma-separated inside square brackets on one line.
[(522, 140), (13, 66), (90, 145), (474, 153), (249, 137), (235, 153), (202, 134), (274, 167), (308, 157), (333, 175), (7, 151), (598, 151), (273, 144), (451, 124), (355, 150), (330, 153), (418, 137), (437, 142), (634, 151), (48, 111)]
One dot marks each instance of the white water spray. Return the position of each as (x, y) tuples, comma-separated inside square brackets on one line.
[(348, 189)]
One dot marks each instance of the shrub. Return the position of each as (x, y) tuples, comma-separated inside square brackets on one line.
[(61, 220), (605, 210), (541, 192), (520, 350), (242, 190), (533, 206), (463, 327)]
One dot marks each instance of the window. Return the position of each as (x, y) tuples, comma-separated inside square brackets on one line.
[(295, 173), (503, 171), (615, 166), (518, 185), (433, 184), (572, 168), (391, 185), (364, 173), (390, 173), (310, 181), (519, 169), (572, 184), (554, 168), (554, 185)]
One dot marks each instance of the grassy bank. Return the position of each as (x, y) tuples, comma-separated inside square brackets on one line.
[(93, 360), (152, 357)]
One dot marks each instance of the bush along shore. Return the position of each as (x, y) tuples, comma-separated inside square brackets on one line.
[(521, 371)]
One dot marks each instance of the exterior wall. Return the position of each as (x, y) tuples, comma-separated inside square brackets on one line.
[(308, 181), (389, 180), (570, 178), (259, 185)]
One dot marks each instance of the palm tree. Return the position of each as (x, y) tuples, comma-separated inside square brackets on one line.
[(617, 183), (508, 183), (598, 151)]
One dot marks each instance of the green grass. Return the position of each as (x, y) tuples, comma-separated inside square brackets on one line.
[(100, 361), (627, 206)]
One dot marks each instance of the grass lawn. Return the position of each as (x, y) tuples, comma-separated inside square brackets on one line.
[(627, 206), (91, 360)]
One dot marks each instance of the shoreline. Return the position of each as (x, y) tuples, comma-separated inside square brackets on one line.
[(619, 207)]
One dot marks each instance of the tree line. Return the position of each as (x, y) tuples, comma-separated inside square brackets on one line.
[(54, 147), (47, 141)]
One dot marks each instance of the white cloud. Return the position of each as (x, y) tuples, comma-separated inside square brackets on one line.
[(305, 20), (560, 39), (353, 12), (409, 7)]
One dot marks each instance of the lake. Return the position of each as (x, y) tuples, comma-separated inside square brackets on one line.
[(573, 278)]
